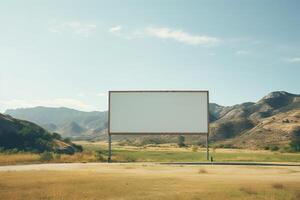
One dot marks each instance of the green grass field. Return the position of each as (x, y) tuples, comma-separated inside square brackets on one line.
[(169, 153), (162, 153)]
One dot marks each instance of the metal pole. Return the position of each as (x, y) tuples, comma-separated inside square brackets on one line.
[(109, 148), (207, 147)]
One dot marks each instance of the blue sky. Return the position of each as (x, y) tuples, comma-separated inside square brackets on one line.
[(70, 53)]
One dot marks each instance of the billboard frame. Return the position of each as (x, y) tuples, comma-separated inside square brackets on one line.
[(162, 133)]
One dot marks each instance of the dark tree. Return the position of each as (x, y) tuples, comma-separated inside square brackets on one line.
[(181, 140)]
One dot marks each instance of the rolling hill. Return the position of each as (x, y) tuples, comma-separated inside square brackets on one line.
[(27, 136), (275, 119)]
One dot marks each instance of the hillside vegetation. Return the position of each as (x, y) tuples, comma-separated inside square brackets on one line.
[(20, 135), (275, 119)]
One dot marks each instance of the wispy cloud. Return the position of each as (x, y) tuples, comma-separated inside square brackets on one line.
[(115, 29), (121, 32), (58, 102), (181, 36), (165, 33), (293, 60), (242, 52), (102, 94), (81, 94), (77, 27)]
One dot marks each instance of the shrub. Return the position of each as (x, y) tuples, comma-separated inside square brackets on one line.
[(67, 140), (56, 136), (228, 146), (129, 159), (46, 156), (99, 155), (57, 156), (202, 171), (194, 148), (13, 151), (77, 147), (274, 148), (267, 148), (277, 186), (181, 140), (295, 145), (247, 190), (214, 148)]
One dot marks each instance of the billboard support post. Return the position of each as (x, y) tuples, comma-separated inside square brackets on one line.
[(109, 148), (207, 148), (207, 133)]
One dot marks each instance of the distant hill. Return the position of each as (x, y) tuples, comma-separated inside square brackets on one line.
[(72, 129), (272, 120), (68, 122), (27, 136)]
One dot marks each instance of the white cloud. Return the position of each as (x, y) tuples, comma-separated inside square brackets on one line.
[(115, 29), (242, 52), (165, 33), (81, 95), (58, 102), (77, 27), (293, 60), (102, 94), (120, 32), (181, 36)]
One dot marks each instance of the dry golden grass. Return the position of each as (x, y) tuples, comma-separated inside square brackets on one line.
[(202, 171), (12, 159), (28, 158), (148, 181), (277, 186)]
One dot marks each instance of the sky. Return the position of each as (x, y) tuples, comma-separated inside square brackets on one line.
[(69, 53)]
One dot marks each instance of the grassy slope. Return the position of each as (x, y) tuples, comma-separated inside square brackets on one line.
[(129, 181)]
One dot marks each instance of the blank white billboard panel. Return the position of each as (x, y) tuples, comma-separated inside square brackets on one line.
[(158, 112)]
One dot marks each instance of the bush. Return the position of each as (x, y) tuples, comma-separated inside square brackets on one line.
[(99, 155), (56, 136), (202, 171), (129, 159), (194, 148), (295, 145), (267, 148), (228, 146), (274, 148), (77, 147), (46, 156), (67, 140), (57, 156), (12, 151), (181, 140)]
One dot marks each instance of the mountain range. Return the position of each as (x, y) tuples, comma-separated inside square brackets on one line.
[(68, 122), (274, 119)]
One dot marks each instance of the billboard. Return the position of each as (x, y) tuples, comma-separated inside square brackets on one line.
[(158, 112)]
